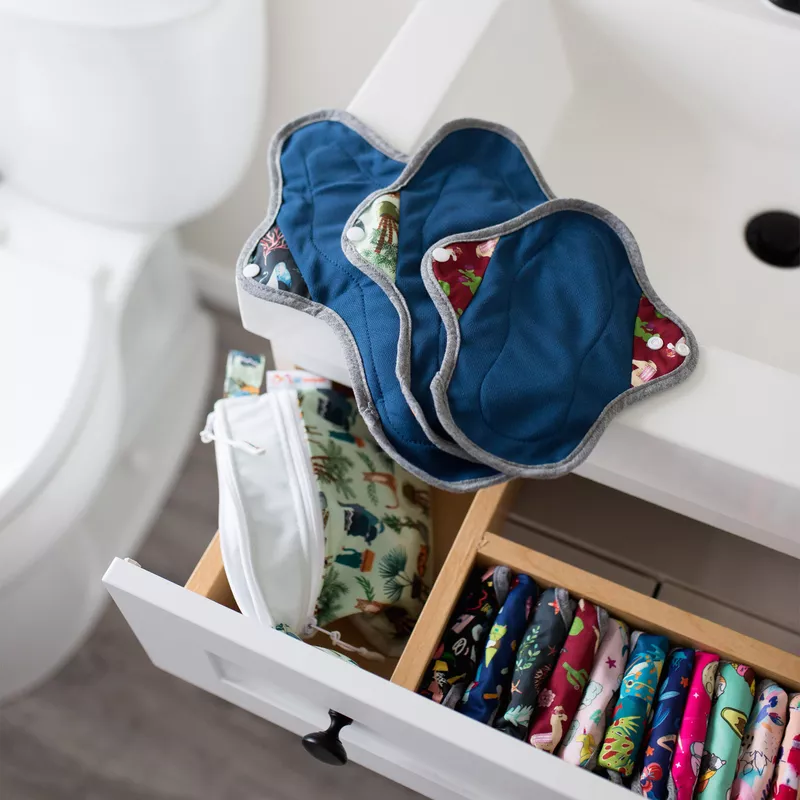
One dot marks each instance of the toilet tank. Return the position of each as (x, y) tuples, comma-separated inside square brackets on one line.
[(140, 113)]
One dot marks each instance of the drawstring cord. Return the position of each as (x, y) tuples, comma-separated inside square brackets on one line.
[(336, 641), (207, 435)]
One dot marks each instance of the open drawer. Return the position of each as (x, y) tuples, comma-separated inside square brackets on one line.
[(195, 633)]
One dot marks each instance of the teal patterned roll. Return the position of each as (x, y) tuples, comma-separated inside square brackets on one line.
[(624, 736), (734, 692)]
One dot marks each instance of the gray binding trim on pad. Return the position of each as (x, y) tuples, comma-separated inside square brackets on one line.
[(355, 365), (403, 363), (441, 381)]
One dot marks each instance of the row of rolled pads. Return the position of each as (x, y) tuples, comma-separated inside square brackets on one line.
[(568, 679)]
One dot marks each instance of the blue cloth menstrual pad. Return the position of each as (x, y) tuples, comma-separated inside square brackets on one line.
[(489, 329)]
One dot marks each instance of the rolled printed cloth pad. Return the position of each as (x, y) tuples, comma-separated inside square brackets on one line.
[(624, 736), (653, 780), (456, 658), (786, 782), (536, 657), (322, 166), (733, 699), (694, 725), (468, 175), (560, 698), (563, 321), (761, 743), (583, 738), (485, 694)]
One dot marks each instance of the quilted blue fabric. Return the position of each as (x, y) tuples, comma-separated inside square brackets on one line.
[(439, 199), (327, 170), (546, 343)]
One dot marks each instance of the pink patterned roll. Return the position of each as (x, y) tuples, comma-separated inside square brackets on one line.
[(692, 733), (787, 774)]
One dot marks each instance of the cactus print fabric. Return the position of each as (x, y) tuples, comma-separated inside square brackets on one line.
[(694, 725), (487, 692), (662, 734), (455, 661), (761, 743), (625, 734), (376, 518), (536, 657), (584, 736), (560, 698), (734, 691), (786, 783)]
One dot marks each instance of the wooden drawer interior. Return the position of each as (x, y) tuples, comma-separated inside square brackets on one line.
[(447, 511), (476, 546)]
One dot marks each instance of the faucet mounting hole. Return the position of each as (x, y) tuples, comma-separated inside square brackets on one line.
[(774, 237)]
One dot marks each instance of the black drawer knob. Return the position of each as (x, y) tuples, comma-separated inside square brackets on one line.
[(326, 745)]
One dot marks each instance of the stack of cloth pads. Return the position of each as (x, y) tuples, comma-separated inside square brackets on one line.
[(316, 522), (559, 673), (490, 329)]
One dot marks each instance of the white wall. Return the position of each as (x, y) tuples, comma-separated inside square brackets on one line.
[(320, 52)]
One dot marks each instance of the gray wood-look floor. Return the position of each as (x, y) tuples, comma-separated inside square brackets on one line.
[(110, 726)]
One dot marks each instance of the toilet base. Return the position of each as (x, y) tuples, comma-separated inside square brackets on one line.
[(48, 609)]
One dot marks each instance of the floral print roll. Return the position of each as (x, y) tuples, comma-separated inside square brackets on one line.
[(761, 743), (559, 700), (734, 691), (456, 658), (660, 739), (583, 738), (486, 693), (786, 783), (694, 725), (624, 736), (536, 658)]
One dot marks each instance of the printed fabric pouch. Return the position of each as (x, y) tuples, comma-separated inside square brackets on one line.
[(624, 736), (455, 661), (296, 557), (734, 692), (484, 696), (536, 657), (376, 518), (560, 698), (585, 734), (653, 778), (321, 167)]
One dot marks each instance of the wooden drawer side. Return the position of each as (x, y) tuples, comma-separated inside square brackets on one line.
[(488, 510)]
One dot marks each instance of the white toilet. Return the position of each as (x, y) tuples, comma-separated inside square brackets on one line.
[(118, 121)]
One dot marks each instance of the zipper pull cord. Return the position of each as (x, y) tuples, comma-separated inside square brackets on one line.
[(207, 435), (336, 641)]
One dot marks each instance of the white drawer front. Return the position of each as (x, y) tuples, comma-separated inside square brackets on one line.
[(399, 734)]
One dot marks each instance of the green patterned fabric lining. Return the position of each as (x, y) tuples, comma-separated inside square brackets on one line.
[(376, 518)]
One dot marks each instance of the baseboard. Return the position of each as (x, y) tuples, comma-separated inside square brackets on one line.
[(215, 283)]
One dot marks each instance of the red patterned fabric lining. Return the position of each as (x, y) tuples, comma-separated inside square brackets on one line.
[(649, 364), (461, 275)]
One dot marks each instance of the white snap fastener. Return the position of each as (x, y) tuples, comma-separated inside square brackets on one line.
[(355, 234), (682, 349), (251, 270), (655, 342), (441, 255)]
